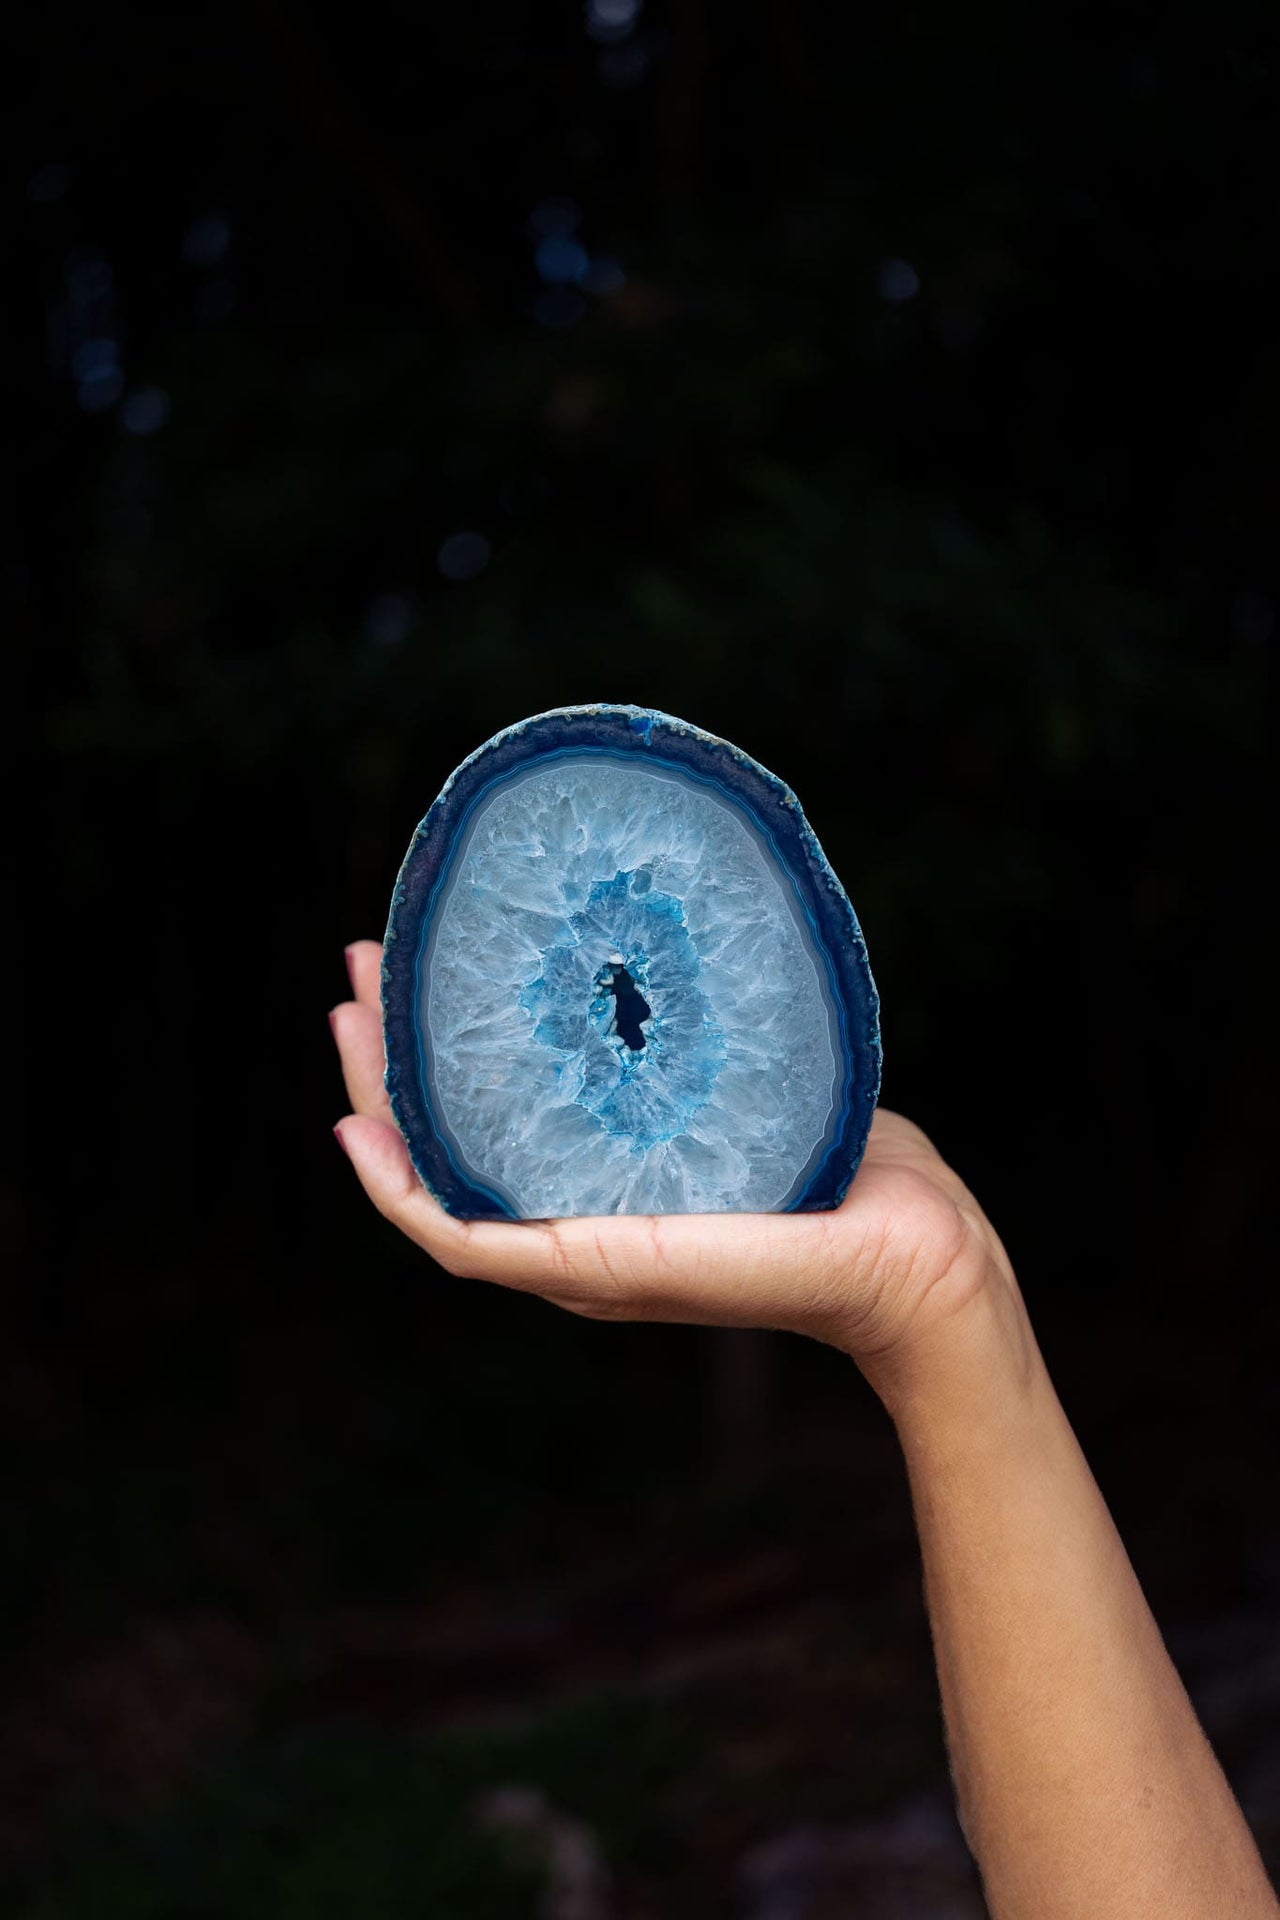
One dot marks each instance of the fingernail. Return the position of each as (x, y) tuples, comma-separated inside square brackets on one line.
[(333, 1020), (337, 1134)]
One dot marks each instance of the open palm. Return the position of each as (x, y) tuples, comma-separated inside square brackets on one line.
[(906, 1250)]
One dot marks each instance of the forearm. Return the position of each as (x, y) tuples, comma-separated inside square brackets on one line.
[(1086, 1786)]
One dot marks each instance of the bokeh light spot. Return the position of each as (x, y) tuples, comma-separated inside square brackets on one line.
[(896, 281), (389, 620), (206, 241), (145, 411), (99, 391), (608, 20), (91, 358), (561, 258), (463, 555)]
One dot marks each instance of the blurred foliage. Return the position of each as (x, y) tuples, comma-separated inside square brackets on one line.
[(324, 1824), (868, 458)]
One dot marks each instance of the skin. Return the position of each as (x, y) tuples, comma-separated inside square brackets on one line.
[(1085, 1785)]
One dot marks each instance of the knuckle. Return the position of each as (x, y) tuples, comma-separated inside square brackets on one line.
[(559, 1257), (590, 1280)]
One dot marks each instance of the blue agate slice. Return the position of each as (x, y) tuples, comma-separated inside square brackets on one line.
[(621, 977)]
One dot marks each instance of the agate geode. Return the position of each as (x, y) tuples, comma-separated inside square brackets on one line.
[(621, 977)]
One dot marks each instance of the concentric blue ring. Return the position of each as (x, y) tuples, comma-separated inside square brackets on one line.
[(634, 738)]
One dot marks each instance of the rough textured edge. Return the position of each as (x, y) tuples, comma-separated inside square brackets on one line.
[(774, 807)]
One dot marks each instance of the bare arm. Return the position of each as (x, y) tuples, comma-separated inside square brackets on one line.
[(1086, 1786)]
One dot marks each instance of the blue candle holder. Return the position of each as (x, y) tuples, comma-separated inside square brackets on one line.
[(620, 976)]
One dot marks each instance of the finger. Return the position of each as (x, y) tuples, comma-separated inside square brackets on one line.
[(628, 1266), (357, 1030), (378, 1153), (722, 1269), (364, 968), (896, 1141), (888, 1127)]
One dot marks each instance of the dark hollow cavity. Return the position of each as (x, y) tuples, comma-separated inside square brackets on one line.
[(631, 1007)]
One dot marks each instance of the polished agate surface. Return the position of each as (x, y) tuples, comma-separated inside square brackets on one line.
[(621, 978)]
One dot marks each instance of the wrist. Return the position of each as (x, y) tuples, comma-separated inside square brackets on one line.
[(961, 1372)]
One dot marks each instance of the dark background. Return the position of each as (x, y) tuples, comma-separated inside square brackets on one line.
[(889, 395)]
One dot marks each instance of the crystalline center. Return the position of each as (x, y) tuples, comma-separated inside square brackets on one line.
[(643, 1084), (631, 1009), (623, 1008)]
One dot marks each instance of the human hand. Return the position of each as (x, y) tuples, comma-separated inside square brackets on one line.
[(896, 1276)]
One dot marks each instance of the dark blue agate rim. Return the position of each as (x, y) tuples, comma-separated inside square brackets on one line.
[(621, 731)]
